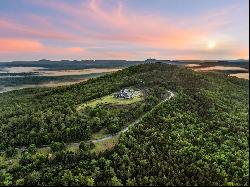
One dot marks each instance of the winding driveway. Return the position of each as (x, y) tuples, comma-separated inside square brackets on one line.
[(134, 123), (114, 135)]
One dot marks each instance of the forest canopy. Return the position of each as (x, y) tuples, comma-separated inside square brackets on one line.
[(198, 137)]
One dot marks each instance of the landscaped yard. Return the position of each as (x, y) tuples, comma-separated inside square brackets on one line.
[(110, 99)]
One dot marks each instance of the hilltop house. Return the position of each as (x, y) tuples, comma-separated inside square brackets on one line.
[(123, 94)]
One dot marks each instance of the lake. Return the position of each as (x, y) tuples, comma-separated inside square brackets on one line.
[(45, 73)]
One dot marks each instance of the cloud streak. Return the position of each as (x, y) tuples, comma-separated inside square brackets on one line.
[(12, 45)]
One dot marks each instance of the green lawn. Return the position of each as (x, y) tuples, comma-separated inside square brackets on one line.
[(109, 99), (106, 144)]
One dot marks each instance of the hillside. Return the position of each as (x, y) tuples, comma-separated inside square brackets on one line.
[(197, 137)]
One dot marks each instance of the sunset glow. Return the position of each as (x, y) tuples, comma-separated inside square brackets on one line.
[(94, 29), (211, 44)]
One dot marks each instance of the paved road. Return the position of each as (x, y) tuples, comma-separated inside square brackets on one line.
[(117, 134)]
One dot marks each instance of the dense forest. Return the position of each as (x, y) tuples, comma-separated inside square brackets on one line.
[(198, 137)]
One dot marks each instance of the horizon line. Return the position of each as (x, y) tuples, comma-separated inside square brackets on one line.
[(124, 60)]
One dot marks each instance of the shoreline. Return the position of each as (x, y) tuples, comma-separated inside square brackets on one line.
[(59, 73)]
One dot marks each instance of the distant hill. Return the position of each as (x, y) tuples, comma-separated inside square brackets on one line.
[(67, 65), (85, 64)]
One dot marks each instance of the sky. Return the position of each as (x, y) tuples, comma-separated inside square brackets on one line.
[(124, 29)]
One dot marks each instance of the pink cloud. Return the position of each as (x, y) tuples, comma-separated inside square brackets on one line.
[(128, 27), (13, 45), (42, 31), (19, 45), (92, 25)]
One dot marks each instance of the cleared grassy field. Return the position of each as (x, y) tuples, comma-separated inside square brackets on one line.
[(106, 144), (109, 99)]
